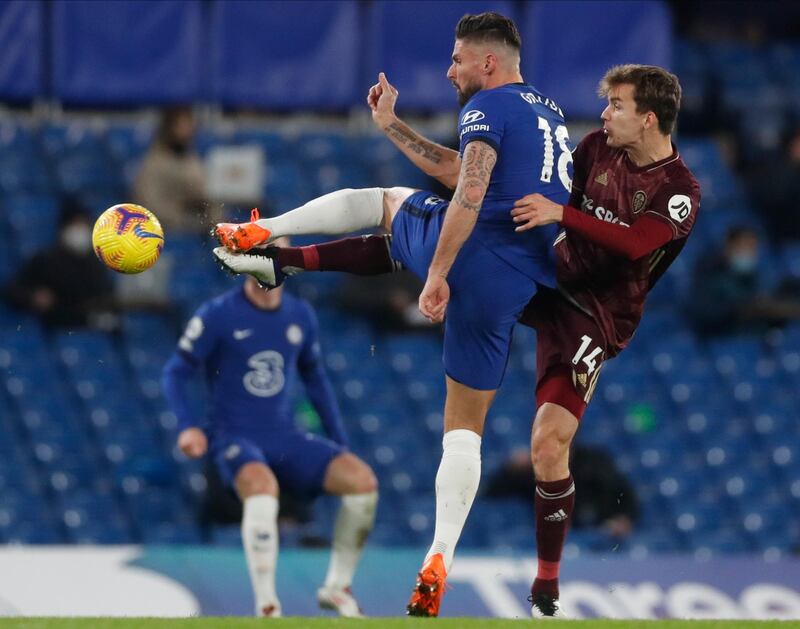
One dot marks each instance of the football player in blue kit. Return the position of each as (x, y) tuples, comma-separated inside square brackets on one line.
[(252, 346), (476, 267)]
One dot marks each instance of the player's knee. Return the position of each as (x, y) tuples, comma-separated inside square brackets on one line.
[(362, 478), (366, 481), (548, 449), (393, 199), (348, 474), (254, 479)]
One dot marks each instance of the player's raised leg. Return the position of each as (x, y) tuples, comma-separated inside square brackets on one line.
[(456, 485), (258, 489), (352, 479), (369, 254), (553, 431), (339, 212)]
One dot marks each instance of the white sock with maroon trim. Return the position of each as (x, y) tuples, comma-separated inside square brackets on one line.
[(339, 212)]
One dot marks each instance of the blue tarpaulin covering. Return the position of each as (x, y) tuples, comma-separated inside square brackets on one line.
[(308, 54), (21, 43)]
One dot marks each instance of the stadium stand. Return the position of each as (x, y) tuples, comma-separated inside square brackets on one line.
[(708, 432), (701, 428)]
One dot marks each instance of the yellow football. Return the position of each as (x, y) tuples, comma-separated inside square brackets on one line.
[(127, 238)]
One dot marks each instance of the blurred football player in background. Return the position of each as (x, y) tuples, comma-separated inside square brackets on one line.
[(513, 141), (252, 345)]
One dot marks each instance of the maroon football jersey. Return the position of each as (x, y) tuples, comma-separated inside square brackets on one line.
[(608, 186)]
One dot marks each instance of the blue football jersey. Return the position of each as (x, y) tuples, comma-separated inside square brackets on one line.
[(534, 154), (252, 359)]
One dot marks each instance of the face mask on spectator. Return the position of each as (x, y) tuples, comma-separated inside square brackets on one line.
[(77, 238), (744, 263)]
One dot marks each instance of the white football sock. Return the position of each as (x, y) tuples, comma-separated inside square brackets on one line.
[(260, 541), (456, 485), (353, 524), (339, 212)]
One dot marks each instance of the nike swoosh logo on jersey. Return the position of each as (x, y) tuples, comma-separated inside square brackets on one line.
[(241, 334)]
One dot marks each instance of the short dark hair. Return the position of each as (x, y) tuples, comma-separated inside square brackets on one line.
[(654, 89), (489, 27), (169, 117)]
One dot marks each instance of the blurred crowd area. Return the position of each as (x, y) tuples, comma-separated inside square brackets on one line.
[(696, 423)]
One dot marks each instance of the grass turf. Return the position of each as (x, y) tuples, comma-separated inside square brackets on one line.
[(371, 623)]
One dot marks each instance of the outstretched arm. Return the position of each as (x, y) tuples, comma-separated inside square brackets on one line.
[(174, 379), (431, 158), (462, 214), (645, 236)]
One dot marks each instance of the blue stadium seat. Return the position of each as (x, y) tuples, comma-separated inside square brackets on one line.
[(154, 506), (737, 355), (277, 146), (34, 219), (721, 541), (129, 143), (656, 541), (230, 535), (140, 327), (18, 138), (784, 61), (187, 533), (82, 172), (80, 348), (24, 173), (9, 260), (27, 518), (719, 447), (33, 532)]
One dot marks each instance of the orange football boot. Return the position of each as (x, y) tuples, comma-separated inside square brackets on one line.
[(241, 237), (429, 588)]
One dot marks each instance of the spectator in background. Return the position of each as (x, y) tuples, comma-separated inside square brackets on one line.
[(172, 178), (776, 189), (606, 498), (65, 284), (727, 296)]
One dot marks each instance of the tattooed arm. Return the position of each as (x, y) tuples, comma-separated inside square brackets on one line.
[(462, 214), (433, 159)]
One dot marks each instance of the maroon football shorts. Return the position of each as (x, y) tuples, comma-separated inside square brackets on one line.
[(570, 350)]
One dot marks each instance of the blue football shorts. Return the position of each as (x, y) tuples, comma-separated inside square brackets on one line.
[(487, 295), (299, 460)]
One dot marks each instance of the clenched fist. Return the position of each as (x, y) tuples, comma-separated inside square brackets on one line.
[(193, 442)]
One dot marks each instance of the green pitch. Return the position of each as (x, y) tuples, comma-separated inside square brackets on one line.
[(373, 623)]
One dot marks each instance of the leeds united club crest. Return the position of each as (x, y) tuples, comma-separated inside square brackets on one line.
[(639, 201)]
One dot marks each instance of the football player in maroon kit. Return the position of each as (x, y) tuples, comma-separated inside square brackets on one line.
[(632, 207)]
